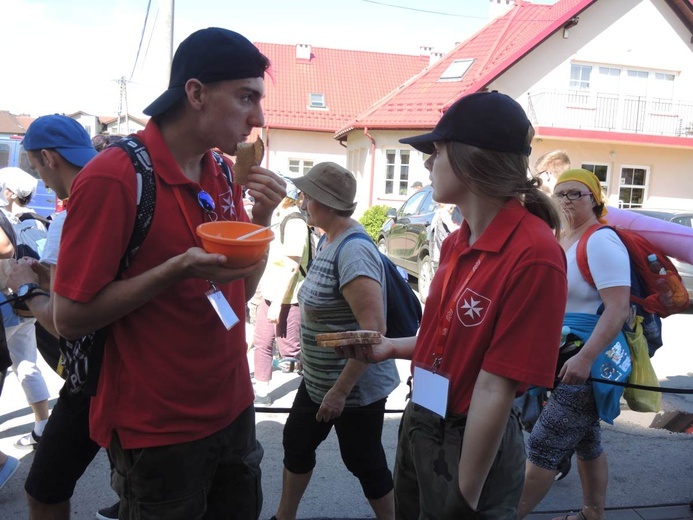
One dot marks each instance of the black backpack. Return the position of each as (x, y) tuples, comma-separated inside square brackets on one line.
[(403, 307)]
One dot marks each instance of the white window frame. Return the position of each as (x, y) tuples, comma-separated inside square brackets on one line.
[(605, 183), (622, 185), (301, 167), (456, 70), (581, 85), (316, 101), (394, 171)]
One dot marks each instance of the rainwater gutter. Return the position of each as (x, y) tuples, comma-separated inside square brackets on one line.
[(372, 183)]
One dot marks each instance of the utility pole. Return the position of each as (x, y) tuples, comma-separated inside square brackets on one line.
[(123, 100)]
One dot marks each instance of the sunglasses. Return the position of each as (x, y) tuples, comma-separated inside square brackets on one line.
[(206, 202), (572, 195)]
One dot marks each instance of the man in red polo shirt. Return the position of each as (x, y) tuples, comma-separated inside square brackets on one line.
[(174, 404)]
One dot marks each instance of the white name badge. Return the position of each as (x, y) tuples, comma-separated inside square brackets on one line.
[(430, 391), (222, 307)]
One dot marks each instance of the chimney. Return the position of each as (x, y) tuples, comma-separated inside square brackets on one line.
[(435, 56), (499, 7), (425, 51), (303, 51)]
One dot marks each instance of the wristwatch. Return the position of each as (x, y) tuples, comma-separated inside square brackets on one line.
[(28, 290)]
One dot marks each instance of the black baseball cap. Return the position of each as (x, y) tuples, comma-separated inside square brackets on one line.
[(209, 55), (488, 120)]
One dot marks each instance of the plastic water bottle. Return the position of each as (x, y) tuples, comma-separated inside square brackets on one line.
[(666, 295), (564, 334)]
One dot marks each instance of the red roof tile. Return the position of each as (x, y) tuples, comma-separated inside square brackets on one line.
[(495, 48), (351, 81)]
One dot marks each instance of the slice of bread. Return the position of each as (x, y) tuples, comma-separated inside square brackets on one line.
[(247, 156), (354, 337)]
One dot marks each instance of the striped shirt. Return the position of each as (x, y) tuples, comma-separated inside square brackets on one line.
[(324, 309)]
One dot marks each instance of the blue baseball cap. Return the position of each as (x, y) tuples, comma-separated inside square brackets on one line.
[(62, 134)]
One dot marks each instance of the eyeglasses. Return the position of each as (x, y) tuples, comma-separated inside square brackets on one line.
[(572, 195), (206, 202)]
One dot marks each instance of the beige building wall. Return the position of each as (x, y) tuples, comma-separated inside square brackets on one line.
[(360, 163), (283, 146), (669, 181)]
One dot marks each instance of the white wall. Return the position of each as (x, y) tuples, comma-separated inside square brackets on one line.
[(646, 34), (283, 145), (89, 122)]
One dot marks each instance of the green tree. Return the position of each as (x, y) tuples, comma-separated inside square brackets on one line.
[(373, 219)]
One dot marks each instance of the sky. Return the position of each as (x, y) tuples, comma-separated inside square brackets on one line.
[(67, 56)]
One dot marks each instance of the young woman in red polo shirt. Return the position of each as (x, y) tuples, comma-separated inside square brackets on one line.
[(492, 321)]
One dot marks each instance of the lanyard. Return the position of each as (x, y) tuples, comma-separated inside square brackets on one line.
[(445, 320)]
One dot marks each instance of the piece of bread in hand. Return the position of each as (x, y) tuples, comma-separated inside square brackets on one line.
[(342, 339), (247, 156)]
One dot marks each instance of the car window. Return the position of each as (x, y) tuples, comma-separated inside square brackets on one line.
[(411, 207), (683, 220), (4, 155), (24, 163), (429, 204)]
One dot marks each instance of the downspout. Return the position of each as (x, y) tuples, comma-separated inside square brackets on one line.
[(370, 138)]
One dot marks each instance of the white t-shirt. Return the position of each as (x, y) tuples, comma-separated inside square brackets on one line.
[(609, 265), (52, 246), (278, 267)]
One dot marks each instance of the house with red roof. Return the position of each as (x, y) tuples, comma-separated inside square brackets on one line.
[(610, 82), (124, 124), (311, 92)]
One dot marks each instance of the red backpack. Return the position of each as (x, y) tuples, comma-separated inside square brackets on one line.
[(644, 293), (639, 249)]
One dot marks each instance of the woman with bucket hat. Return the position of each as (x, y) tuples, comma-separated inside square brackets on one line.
[(347, 394), (492, 320)]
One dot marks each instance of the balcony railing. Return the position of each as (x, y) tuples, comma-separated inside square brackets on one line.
[(610, 112)]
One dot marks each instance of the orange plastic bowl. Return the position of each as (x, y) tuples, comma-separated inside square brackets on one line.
[(220, 237)]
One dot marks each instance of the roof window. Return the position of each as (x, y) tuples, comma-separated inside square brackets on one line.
[(316, 101), (456, 70)]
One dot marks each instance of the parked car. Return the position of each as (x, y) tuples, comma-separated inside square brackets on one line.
[(685, 218), (404, 238), (12, 153)]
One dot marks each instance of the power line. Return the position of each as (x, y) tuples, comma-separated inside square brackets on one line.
[(425, 10), (139, 48)]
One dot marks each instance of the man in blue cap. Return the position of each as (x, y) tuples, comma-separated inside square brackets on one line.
[(58, 147), (174, 404)]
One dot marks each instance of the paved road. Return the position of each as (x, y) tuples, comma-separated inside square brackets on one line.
[(648, 467)]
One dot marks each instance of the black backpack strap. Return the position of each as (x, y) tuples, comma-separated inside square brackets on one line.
[(282, 228), (34, 216), (146, 194), (224, 169)]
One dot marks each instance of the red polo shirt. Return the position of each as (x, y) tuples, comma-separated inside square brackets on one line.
[(508, 319), (171, 373)]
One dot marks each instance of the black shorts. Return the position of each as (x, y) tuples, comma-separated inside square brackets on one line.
[(64, 452), (359, 431)]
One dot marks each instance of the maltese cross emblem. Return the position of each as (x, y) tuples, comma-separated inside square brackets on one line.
[(472, 308)]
